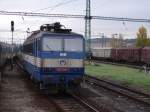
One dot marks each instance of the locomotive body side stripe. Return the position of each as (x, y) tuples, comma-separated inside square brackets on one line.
[(57, 54), (53, 76), (68, 63), (47, 63), (33, 60)]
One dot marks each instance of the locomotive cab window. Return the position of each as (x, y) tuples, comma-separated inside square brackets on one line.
[(74, 44), (52, 44)]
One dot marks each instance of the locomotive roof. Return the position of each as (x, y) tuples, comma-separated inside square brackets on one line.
[(39, 34), (51, 29)]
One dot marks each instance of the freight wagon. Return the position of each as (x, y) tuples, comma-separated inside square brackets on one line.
[(127, 55)]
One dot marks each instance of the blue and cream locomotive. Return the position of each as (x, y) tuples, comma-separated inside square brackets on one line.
[(55, 56)]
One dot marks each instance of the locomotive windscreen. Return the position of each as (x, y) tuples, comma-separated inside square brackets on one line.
[(62, 44), (74, 44), (52, 44)]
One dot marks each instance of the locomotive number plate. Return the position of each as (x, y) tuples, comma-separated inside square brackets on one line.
[(63, 54)]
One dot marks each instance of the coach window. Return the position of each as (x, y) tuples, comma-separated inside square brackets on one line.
[(51, 44), (74, 44)]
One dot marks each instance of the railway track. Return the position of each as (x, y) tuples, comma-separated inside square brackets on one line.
[(125, 91), (76, 103), (68, 102), (72, 103)]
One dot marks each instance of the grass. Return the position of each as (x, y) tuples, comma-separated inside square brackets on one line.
[(125, 75)]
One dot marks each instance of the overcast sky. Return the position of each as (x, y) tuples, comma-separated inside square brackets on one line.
[(117, 8)]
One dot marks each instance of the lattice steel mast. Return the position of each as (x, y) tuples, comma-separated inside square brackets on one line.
[(88, 25)]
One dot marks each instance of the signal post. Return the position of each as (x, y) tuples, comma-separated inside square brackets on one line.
[(12, 30)]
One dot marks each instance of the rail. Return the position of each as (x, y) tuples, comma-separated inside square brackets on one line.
[(72, 103), (120, 89)]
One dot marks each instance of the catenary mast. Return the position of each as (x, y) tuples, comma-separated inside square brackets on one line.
[(88, 25)]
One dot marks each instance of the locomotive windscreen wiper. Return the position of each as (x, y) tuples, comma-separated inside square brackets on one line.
[(48, 47)]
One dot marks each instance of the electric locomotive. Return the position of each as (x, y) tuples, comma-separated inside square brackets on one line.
[(54, 56)]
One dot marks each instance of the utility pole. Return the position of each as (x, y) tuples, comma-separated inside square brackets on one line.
[(12, 30), (103, 40), (88, 25)]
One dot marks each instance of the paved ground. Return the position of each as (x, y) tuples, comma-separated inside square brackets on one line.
[(18, 94)]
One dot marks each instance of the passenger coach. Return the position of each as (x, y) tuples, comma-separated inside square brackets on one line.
[(55, 56)]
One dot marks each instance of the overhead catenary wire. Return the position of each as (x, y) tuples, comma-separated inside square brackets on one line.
[(73, 16)]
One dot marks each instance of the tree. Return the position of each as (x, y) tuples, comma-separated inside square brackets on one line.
[(142, 39)]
